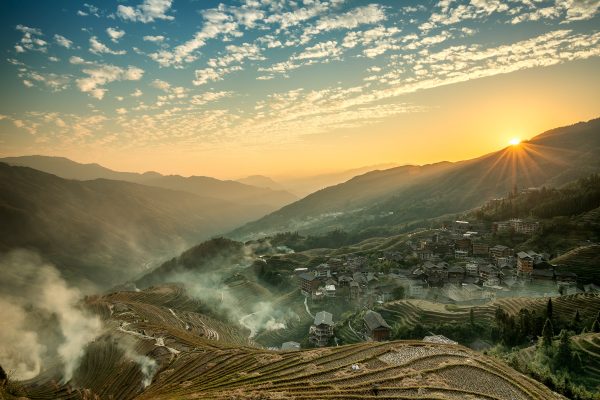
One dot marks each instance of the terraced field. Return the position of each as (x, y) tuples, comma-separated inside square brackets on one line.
[(394, 370), (157, 347), (412, 312), (589, 347), (584, 261)]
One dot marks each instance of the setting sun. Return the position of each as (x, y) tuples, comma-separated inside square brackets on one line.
[(514, 141)]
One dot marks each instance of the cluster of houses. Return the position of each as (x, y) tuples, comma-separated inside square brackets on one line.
[(458, 263)]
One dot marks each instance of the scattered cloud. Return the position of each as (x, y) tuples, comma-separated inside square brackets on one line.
[(156, 39), (98, 47), (102, 74), (115, 34), (148, 11), (31, 40), (63, 41)]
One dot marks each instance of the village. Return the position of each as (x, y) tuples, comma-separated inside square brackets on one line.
[(459, 263)]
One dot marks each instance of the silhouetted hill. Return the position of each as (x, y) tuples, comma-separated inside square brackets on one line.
[(403, 195), (103, 231), (231, 191)]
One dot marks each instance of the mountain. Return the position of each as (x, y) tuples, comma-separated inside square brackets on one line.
[(306, 185), (104, 231), (231, 191), (261, 181), (393, 197)]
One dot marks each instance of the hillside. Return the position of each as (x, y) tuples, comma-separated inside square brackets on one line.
[(173, 352), (390, 198), (587, 345), (584, 261), (303, 186), (103, 231), (259, 200), (407, 314)]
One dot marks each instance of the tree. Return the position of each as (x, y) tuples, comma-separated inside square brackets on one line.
[(596, 326), (547, 333), (576, 323), (398, 293), (472, 317), (563, 357), (549, 309)]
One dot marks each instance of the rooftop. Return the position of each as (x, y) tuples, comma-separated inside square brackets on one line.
[(323, 317), (374, 320)]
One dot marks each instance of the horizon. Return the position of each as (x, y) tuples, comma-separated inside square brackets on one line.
[(214, 89)]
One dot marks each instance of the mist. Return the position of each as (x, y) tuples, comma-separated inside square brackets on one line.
[(32, 291), (209, 284)]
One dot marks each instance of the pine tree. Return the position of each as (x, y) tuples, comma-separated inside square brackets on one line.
[(596, 326), (576, 323), (577, 363), (547, 333), (549, 309), (472, 317), (563, 357)]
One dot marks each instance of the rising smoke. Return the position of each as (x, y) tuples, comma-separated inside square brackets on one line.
[(209, 286), (148, 366), (30, 290)]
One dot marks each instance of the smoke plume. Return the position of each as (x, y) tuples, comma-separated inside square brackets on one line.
[(31, 290)]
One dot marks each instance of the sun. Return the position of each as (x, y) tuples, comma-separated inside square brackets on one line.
[(514, 141)]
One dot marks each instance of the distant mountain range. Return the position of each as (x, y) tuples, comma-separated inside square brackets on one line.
[(306, 185), (106, 231), (246, 194), (393, 197)]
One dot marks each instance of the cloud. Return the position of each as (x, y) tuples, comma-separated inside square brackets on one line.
[(370, 14), (311, 9), (216, 23), (578, 10), (155, 39), (31, 31), (137, 93), (30, 40), (63, 41), (208, 97), (379, 39), (320, 50), (230, 62), (162, 85), (148, 11), (206, 75), (237, 54), (98, 47), (90, 10), (115, 34), (100, 75)]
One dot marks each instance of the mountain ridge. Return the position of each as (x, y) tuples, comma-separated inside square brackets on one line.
[(393, 197), (228, 190)]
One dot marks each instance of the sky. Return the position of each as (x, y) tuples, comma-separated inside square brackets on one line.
[(290, 88)]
